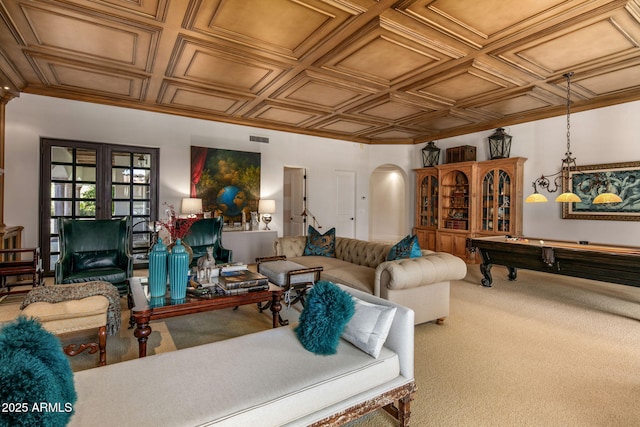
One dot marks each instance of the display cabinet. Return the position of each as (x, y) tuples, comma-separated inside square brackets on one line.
[(427, 190), (458, 201), (500, 202)]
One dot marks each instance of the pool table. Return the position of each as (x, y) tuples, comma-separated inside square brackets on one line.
[(606, 263)]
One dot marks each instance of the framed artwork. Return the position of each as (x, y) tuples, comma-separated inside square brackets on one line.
[(226, 180), (587, 182)]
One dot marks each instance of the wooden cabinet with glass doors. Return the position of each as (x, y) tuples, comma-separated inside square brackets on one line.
[(426, 207), (457, 201), (500, 202)]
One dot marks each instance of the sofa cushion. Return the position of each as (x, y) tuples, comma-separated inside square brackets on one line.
[(369, 326), (327, 311), (94, 259), (320, 244), (405, 248), (108, 274), (355, 276)]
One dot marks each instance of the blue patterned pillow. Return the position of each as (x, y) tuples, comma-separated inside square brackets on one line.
[(320, 244), (326, 313), (405, 248)]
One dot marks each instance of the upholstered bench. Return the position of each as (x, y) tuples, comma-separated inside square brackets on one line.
[(63, 309), (76, 315)]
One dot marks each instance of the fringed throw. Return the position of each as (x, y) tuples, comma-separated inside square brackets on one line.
[(59, 293)]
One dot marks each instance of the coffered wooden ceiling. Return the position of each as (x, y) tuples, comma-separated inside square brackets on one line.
[(387, 71)]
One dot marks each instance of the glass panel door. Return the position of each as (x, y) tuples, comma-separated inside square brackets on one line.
[(87, 180)]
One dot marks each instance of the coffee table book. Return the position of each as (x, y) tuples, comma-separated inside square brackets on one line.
[(239, 291), (241, 279)]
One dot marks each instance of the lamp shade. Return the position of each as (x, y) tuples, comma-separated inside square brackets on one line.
[(191, 206), (568, 198), (266, 206), (606, 198), (499, 144), (430, 154), (536, 198)]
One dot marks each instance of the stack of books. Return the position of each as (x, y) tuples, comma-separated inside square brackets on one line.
[(241, 282)]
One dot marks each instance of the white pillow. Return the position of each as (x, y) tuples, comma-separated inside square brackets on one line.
[(369, 326)]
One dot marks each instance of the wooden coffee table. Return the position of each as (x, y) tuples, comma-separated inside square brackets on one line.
[(144, 310)]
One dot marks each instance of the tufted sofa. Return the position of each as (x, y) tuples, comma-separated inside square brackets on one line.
[(421, 283)]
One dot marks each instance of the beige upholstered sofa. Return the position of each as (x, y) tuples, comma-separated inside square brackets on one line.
[(421, 284), (261, 379)]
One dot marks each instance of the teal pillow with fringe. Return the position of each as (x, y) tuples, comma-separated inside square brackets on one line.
[(326, 313), (320, 244), (36, 376), (405, 248)]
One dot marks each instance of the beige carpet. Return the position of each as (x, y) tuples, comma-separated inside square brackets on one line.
[(542, 351)]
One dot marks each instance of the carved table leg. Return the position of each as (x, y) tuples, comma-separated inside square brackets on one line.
[(513, 273), (102, 345), (275, 307), (485, 269), (142, 332)]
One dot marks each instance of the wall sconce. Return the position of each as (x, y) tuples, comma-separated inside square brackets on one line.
[(430, 155), (499, 144), (191, 207), (266, 207)]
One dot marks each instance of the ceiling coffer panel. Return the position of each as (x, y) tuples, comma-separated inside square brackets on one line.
[(74, 35), (222, 68), (284, 27), (60, 74), (368, 71)]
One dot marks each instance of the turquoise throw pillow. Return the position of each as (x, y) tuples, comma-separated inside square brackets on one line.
[(327, 312), (405, 248), (34, 371), (320, 244)]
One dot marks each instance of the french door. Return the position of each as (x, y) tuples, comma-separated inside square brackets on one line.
[(85, 180)]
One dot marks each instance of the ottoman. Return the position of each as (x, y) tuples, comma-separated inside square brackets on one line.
[(295, 278)]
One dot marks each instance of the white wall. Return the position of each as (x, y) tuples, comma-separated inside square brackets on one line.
[(30, 117), (605, 135)]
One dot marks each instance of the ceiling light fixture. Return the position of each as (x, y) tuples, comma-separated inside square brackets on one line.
[(568, 163)]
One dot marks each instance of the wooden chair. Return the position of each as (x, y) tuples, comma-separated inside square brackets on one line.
[(18, 262)]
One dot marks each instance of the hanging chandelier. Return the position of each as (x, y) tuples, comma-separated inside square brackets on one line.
[(568, 164)]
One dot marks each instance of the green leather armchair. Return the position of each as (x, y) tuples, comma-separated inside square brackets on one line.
[(95, 250), (203, 234)]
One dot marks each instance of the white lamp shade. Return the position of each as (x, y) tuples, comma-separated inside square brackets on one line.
[(266, 206), (191, 206)]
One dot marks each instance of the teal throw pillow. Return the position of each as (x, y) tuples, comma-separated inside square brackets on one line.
[(320, 244), (324, 317), (405, 248), (35, 375)]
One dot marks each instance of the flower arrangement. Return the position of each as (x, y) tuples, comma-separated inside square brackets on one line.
[(176, 227)]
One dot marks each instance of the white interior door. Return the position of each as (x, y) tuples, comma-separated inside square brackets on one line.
[(346, 204), (294, 194)]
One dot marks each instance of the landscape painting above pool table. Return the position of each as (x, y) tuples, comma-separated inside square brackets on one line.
[(587, 182)]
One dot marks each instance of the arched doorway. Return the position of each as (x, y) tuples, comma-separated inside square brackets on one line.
[(387, 204)]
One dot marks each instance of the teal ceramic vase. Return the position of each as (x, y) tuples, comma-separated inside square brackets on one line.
[(158, 270), (178, 271)]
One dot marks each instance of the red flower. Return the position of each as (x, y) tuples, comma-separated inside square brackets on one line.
[(176, 227)]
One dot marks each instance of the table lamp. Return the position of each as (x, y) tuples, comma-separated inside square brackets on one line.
[(265, 208), (191, 207)]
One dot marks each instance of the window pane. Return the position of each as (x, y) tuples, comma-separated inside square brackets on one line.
[(120, 208), (61, 173), (120, 191), (142, 160), (141, 192), (121, 174), (85, 209), (53, 259), (61, 190), (61, 154), (121, 159), (54, 247), (61, 208), (85, 156), (86, 173), (141, 208), (141, 176)]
